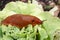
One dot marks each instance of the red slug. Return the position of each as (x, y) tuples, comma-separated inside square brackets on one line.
[(21, 20)]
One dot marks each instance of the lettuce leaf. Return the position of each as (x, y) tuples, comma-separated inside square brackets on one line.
[(13, 32), (42, 32), (1, 34), (6, 38), (4, 14), (51, 24), (23, 8)]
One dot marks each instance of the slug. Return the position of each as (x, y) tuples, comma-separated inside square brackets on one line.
[(20, 20)]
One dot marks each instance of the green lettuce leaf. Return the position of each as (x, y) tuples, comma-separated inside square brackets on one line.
[(42, 32), (1, 34), (4, 14), (23, 8), (51, 24)]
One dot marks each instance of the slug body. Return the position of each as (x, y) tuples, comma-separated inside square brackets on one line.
[(21, 20)]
